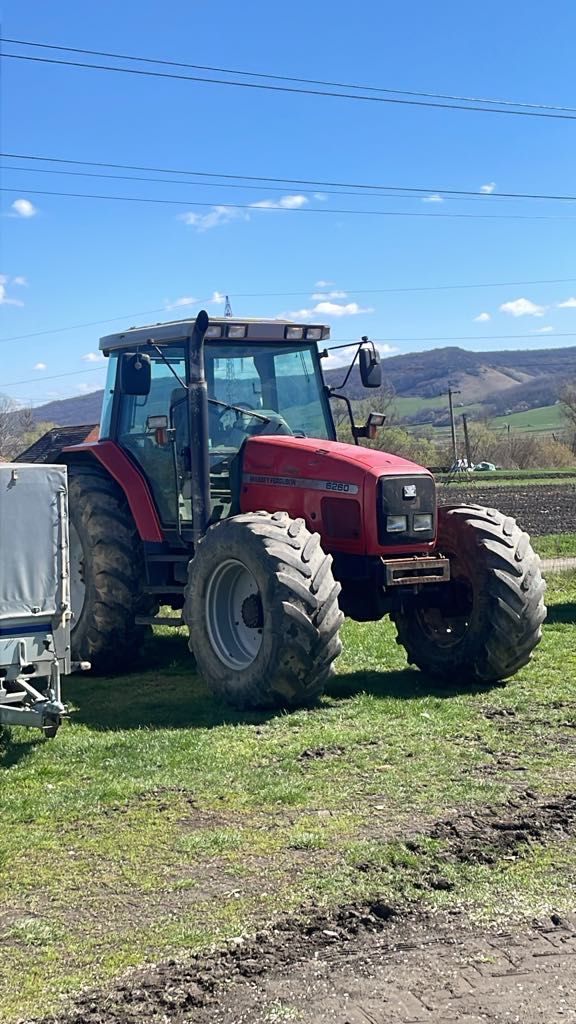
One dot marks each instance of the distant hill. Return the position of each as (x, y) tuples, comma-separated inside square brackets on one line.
[(71, 412), (499, 382)]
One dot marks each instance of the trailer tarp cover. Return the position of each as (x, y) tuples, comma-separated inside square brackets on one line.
[(30, 539)]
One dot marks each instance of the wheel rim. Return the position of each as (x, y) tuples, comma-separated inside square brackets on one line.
[(234, 614), (446, 628), (77, 583)]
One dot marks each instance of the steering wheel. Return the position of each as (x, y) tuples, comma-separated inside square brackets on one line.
[(226, 412)]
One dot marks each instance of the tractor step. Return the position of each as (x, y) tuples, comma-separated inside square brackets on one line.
[(159, 620), (163, 589), (169, 558)]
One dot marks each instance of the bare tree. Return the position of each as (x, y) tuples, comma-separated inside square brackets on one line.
[(8, 427), (17, 427)]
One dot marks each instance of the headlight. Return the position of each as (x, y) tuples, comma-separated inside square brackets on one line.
[(422, 523), (314, 333), (396, 524)]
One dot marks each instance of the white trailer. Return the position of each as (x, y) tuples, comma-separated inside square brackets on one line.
[(34, 595)]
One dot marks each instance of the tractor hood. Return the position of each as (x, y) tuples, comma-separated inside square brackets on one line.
[(307, 456), (343, 491)]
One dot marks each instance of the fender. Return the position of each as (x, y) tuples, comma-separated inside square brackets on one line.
[(130, 481)]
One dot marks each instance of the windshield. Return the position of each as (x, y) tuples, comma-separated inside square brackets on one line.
[(281, 382)]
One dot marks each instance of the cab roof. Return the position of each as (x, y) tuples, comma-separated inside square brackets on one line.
[(230, 328)]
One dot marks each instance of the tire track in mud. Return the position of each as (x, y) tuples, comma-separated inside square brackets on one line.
[(213, 987)]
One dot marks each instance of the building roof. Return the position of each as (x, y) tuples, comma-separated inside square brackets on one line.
[(48, 447)]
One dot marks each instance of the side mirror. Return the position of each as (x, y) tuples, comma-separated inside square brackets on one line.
[(370, 368), (135, 374), (374, 421)]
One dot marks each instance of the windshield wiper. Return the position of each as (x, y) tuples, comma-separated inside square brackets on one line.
[(238, 408)]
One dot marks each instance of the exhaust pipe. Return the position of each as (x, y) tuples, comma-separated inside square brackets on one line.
[(198, 420)]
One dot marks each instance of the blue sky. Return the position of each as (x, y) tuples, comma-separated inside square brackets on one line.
[(79, 260)]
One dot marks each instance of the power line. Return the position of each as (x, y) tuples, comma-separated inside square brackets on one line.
[(324, 185), (293, 181), (76, 327), (414, 193), (278, 209), (54, 376), (292, 78), (306, 291), (350, 343), (289, 89)]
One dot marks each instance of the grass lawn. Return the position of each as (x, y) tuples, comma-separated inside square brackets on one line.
[(158, 822), (555, 545)]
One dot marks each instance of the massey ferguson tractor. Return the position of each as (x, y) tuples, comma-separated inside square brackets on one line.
[(217, 487)]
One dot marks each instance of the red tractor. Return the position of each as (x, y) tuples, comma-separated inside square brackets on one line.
[(218, 487)]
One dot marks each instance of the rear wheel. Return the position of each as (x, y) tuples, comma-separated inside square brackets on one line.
[(262, 609), (106, 573), (485, 623)]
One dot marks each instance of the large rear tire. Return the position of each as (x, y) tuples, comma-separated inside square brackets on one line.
[(262, 609), (488, 619), (106, 573)]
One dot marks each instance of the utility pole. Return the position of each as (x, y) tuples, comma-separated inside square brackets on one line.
[(467, 440), (451, 392)]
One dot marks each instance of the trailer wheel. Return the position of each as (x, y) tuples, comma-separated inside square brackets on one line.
[(487, 621), (106, 573), (262, 609)]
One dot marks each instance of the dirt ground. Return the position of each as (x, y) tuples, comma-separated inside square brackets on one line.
[(363, 965), (539, 510), (374, 963)]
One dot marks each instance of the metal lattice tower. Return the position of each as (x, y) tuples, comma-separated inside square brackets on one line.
[(228, 308)]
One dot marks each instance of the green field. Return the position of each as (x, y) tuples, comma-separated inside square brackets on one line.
[(158, 822), (546, 417), (510, 478), (408, 406)]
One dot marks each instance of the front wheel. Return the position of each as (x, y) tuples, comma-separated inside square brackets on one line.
[(485, 623), (262, 609)]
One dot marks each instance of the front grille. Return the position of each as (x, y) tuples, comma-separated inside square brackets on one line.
[(392, 502)]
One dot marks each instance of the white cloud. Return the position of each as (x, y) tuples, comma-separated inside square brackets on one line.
[(330, 295), (522, 307), (432, 199), (4, 299), (185, 300), (284, 203), (217, 216), (337, 360), (331, 309), (40, 366), (489, 188), (20, 281), (482, 318), (94, 357), (320, 197), (23, 208), (544, 330), (323, 284), (568, 304), (218, 299)]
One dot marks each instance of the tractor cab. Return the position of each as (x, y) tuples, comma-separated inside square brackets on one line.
[(262, 377)]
